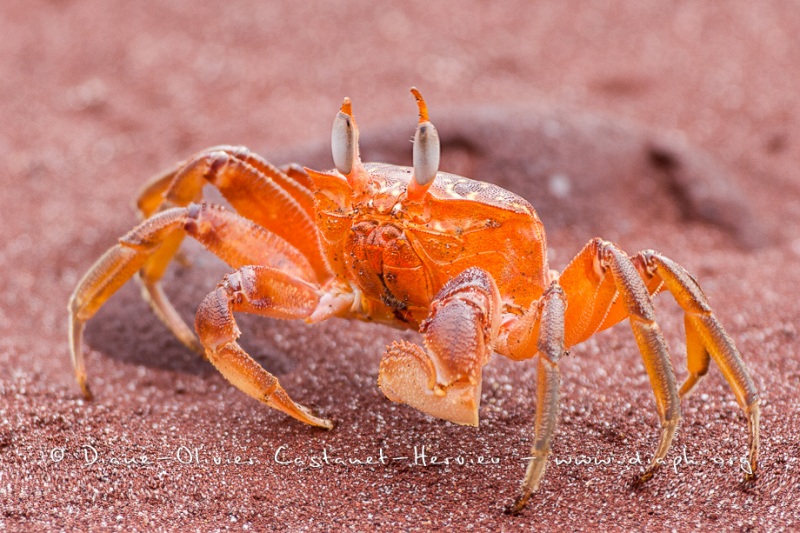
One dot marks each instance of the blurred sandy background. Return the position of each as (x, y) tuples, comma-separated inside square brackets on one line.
[(97, 96)]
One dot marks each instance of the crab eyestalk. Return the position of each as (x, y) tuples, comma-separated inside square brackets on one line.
[(427, 149), (344, 146), (344, 139)]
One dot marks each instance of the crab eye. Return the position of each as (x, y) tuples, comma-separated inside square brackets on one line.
[(426, 153), (426, 145), (343, 139)]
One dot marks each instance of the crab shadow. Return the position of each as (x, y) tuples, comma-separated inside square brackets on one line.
[(126, 330)]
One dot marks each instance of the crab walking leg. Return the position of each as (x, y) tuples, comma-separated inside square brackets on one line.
[(260, 192), (298, 174), (650, 339), (261, 199), (698, 358), (551, 348), (151, 196), (265, 291), (706, 338), (109, 273), (257, 190), (235, 240), (603, 288), (444, 379), (242, 243), (292, 178)]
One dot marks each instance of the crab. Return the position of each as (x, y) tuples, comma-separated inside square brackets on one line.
[(463, 262)]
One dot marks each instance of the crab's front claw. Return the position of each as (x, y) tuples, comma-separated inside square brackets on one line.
[(444, 379), (407, 375)]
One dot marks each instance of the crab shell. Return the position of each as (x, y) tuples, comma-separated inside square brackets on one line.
[(398, 253)]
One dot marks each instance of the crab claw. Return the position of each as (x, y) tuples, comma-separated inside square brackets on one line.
[(444, 379), (407, 375)]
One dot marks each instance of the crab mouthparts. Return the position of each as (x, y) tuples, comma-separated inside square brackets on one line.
[(407, 375)]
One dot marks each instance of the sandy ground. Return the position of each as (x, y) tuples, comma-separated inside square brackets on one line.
[(653, 124)]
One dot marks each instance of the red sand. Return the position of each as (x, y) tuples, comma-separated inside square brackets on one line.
[(671, 126)]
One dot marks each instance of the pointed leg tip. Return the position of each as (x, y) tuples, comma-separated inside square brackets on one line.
[(87, 392), (280, 400), (638, 482), (517, 507), (748, 483), (324, 423)]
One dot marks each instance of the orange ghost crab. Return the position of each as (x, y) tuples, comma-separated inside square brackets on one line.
[(463, 262)]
